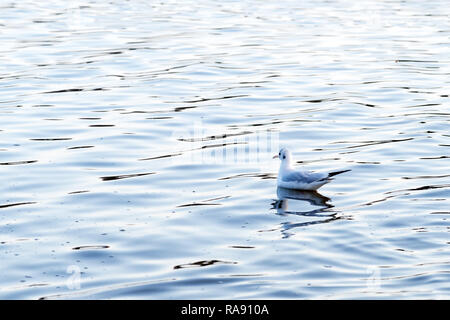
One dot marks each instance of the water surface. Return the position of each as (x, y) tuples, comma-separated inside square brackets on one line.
[(116, 118)]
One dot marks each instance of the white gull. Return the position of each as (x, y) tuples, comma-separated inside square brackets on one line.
[(290, 178)]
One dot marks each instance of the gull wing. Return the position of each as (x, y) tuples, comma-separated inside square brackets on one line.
[(303, 177)]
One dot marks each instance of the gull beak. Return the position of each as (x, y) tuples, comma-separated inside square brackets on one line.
[(275, 157)]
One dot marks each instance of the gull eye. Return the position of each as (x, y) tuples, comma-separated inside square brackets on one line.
[(284, 157)]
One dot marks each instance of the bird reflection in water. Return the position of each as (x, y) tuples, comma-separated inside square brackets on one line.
[(322, 214)]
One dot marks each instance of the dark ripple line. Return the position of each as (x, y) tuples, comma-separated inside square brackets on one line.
[(421, 188), (15, 204), (91, 247), (77, 192), (220, 98), (125, 176), (366, 104), (242, 247), (203, 202), (430, 273), (137, 111), (420, 61), (322, 100), (435, 158), (42, 105), (50, 139), (424, 105), (424, 114), (215, 137), (65, 90), (17, 162), (367, 143), (195, 149), (159, 118), (163, 156), (80, 147), (252, 175), (152, 72), (427, 177), (218, 145), (73, 90), (275, 121), (218, 198), (38, 285), (377, 201), (178, 109), (198, 204), (203, 263)]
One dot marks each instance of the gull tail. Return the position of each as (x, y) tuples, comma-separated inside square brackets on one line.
[(332, 174)]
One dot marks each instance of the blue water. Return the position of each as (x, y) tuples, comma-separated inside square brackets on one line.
[(136, 144)]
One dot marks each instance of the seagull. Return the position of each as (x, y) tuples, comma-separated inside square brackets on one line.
[(290, 178)]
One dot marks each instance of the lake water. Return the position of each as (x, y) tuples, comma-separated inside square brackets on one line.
[(136, 144)]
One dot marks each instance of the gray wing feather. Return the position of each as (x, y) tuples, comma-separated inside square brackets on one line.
[(304, 177)]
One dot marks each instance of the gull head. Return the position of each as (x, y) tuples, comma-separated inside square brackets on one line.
[(285, 156)]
